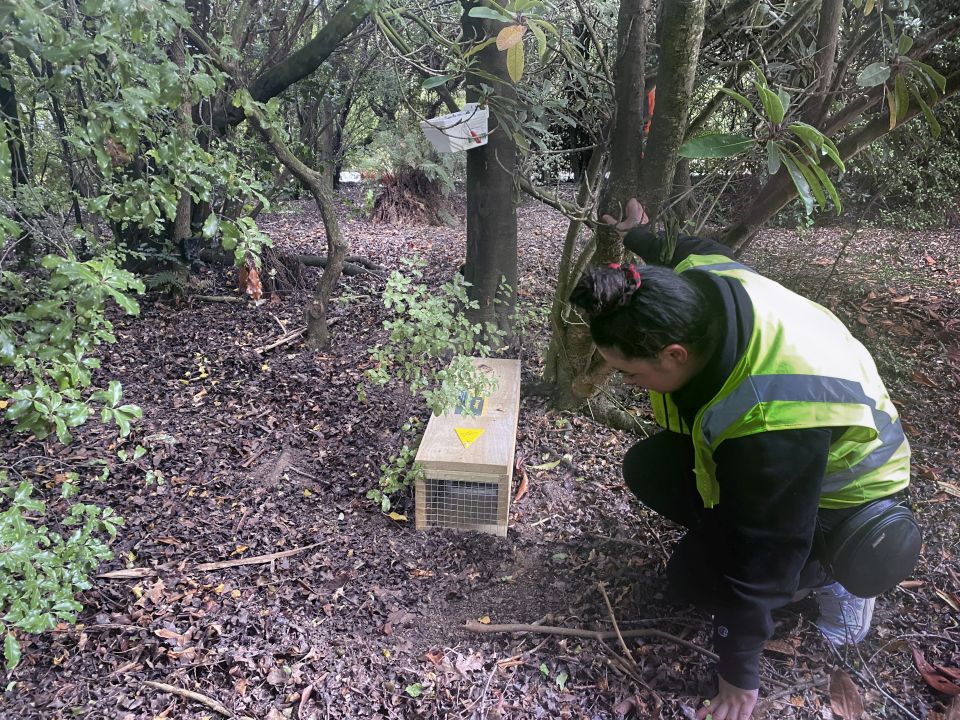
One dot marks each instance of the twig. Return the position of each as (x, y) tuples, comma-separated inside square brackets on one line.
[(616, 628), (219, 298), (472, 626), (128, 574), (793, 689), (257, 560), (284, 340), (190, 695)]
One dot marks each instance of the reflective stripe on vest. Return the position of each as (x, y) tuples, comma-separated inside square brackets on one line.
[(759, 389)]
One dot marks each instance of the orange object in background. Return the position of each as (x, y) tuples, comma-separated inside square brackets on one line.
[(651, 101)]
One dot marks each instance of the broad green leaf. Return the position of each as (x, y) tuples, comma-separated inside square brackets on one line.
[(868, 8), (489, 14), (904, 44), (547, 26), (772, 105), (828, 184), (211, 225), (874, 74), (436, 81), (809, 134), (927, 113), (831, 151), (739, 98), (478, 47), (11, 651), (773, 158), (510, 36), (903, 96), (803, 164), (515, 62), (415, 690), (803, 188), (716, 145), (784, 100), (541, 39), (939, 80)]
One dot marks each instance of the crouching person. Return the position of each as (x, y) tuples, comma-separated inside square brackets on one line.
[(782, 453)]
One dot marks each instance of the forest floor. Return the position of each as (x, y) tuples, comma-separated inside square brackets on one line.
[(250, 454)]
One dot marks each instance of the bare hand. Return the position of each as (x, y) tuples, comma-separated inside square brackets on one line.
[(635, 216), (731, 703)]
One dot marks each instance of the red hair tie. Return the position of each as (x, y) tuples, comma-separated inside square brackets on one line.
[(631, 268)]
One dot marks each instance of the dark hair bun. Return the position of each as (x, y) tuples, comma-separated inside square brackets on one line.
[(601, 290)]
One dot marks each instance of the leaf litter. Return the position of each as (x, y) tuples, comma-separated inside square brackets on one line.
[(345, 612)]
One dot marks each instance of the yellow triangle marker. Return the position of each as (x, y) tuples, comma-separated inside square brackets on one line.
[(468, 436)]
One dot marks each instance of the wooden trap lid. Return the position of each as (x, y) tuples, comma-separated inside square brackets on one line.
[(459, 444)]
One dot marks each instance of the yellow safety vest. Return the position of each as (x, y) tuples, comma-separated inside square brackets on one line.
[(801, 369)]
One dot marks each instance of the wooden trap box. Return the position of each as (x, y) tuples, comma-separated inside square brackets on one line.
[(467, 458)]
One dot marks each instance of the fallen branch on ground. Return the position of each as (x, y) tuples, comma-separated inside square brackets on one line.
[(589, 634), (353, 265), (219, 298), (195, 696), (258, 560)]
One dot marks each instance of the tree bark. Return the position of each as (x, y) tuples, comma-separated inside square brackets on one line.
[(579, 371), (318, 333), (274, 80), (181, 223), (19, 170), (491, 204), (824, 60), (682, 30)]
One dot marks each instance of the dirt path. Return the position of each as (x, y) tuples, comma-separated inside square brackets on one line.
[(252, 454)]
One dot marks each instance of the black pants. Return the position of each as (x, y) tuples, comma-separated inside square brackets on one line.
[(659, 471)]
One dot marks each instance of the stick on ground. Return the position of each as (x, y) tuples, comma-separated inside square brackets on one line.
[(190, 695), (589, 634)]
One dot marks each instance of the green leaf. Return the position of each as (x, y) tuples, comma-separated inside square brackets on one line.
[(927, 113), (903, 96), (773, 158), (210, 225), (809, 134), (740, 99), (415, 690), (11, 651), (436, 81), (784, 100), (939, 80), (826, 182), (561, 680), (772, 104), (831, 151), (489, 14), (515, 62), (541, 38), (803, 164), (544, 670), (874, 74), (800, 182), (904, 44), (479, 46), (716, 145)]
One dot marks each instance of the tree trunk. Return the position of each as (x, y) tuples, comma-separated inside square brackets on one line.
[(828, 35), (19, 172), (318, 334), (680, 35), (181, 223), (491, 204), (579, 372), (274, 80)]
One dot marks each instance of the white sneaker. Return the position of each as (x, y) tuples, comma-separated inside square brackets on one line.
[(844, 618)]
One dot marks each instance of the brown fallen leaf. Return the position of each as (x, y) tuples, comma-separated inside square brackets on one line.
[(950, 599), (845, 699), (932, 676)]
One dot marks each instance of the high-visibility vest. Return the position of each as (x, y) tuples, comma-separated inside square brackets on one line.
[(801, 369)]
